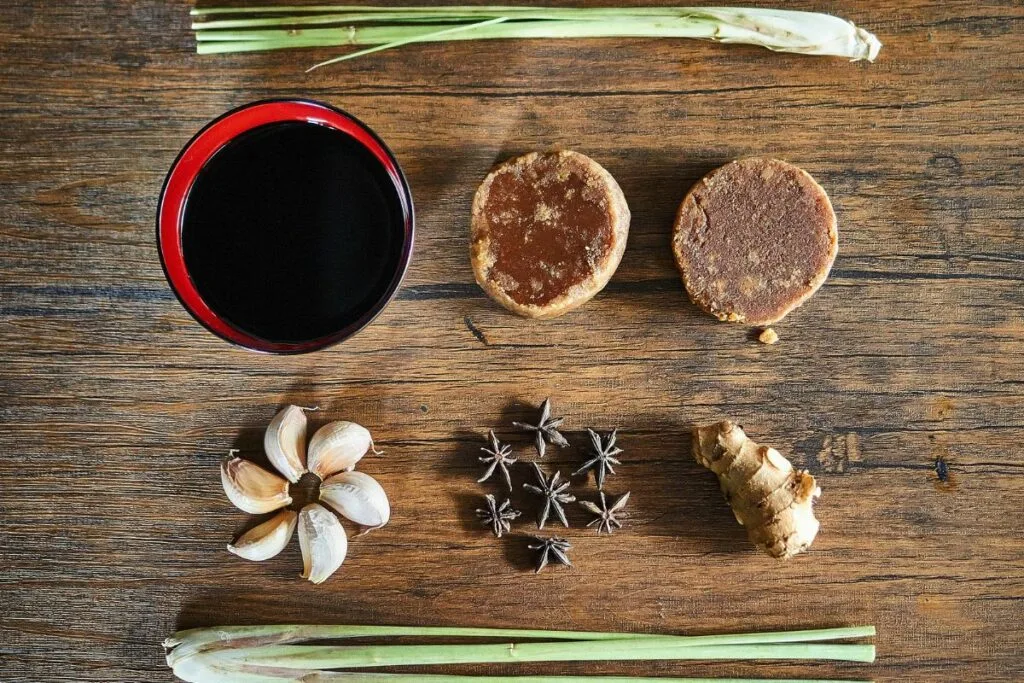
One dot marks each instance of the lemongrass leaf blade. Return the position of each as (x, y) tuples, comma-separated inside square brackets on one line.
[(232, 47), (424, 14), (346, 34), (340, 19), (425, 37), (504, 10)]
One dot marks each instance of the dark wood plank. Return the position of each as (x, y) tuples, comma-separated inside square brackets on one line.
[(117, 408)]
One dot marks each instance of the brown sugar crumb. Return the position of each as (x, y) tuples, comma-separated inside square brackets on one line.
[(768, 336), (548, 231), (754, 239)]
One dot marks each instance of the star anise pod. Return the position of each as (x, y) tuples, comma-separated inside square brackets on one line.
[(553, 491), (546, 429), (500, 457), (606, 516), (498, 517), (553, 548), (604, 452)]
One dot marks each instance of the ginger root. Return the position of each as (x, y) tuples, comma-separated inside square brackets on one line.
[(770, 498)]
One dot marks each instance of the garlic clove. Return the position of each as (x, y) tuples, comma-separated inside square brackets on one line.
[(251, 488), (323, 542), (357, 497), (285, 442), (266, 540), (338, 446)]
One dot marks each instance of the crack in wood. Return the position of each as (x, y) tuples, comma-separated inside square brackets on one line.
[(480, 336)]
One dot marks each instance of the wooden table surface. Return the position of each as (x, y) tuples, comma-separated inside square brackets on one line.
[(117, 407)]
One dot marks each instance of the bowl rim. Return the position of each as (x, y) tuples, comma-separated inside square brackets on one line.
[(209, 140)]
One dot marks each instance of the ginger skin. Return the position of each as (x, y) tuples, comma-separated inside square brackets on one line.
[(770, 498)]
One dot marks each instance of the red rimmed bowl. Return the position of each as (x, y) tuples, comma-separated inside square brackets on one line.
[(206, 263)]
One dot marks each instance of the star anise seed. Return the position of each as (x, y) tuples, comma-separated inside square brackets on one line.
[(498, 517), (551, 548), (546, 429), (500, 457), (553, 491), (604, 452), (607, 517)]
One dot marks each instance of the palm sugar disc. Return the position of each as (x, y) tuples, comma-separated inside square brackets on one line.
[(754, 239), (548, 232)]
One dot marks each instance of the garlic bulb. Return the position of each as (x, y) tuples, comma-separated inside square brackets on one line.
[(264, 541), (285, 442), (251, 488), (337, 446), (323, 542), (357, 497)]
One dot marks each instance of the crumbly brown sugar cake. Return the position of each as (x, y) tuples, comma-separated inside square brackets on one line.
[(754, 239), (548, 232)]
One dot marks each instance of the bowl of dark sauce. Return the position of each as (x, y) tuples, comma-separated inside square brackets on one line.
[(285, 226)]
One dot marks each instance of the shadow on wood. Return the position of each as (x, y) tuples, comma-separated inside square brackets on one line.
[(516, 551)]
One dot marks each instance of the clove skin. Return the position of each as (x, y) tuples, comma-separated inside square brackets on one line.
[(357, 497)]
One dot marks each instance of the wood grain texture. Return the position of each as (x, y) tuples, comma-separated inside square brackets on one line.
[(116, 406)]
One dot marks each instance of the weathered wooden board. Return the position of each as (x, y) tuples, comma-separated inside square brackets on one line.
[(116, 407)]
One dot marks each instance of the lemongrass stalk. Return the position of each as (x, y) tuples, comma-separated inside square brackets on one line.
[(208, 655), (308, 676), (358, 656), (198, 670), (779, 30), (292, 633), (187, 643)]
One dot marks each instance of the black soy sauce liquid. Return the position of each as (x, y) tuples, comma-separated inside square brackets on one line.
[(292, 231)]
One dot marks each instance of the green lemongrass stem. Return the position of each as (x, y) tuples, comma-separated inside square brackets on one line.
[(203, 640), (423, 37), (258, 675), (427, 14), (374, 35), (441, 9), (338, 19), (779, 30), (218, 48), (358, 656), (213, 669)]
